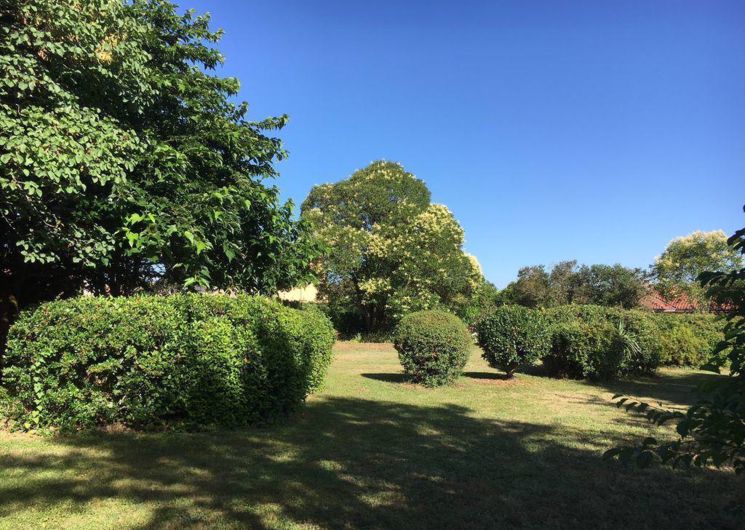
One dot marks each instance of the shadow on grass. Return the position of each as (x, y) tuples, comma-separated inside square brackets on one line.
[(388, 377), (495, 376), (351, 463), (680, 388)]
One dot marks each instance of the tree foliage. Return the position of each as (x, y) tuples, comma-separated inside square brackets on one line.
[(678, 268), (390, 251), (566, 283), (532, 287), (123, 159), (609, 285)]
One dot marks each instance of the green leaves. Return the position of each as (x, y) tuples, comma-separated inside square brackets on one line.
[(124, 162), (512, 337), (433, 346), (390, 251), (712, 431), (186, 360)]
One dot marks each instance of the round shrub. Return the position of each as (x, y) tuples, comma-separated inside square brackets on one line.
[(194, 360), (601, 342), (433, 346), (512, 337)]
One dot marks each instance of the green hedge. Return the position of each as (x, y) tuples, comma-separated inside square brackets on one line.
[(601, 342), (512, 337), (691, 339), (145, 361), (433, 346)]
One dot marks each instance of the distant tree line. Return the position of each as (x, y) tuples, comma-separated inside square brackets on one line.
[(568, 283), (673, 275)]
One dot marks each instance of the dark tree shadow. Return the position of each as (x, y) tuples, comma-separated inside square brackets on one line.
[(354, 463), (388, 377), (682, 388), (495, 376)]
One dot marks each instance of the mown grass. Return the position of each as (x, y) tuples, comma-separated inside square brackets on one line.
[(372, 451)]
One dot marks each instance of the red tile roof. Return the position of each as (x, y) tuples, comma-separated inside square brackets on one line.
[(656, 302)]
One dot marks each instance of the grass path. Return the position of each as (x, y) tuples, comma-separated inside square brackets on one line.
[(372, 451)]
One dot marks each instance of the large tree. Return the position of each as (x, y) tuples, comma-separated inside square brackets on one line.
[(390, 251), (124, 161)]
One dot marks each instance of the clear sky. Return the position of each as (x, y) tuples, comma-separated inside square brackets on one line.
[(596, 130)]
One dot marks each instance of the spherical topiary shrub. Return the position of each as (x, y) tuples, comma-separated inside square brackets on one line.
[(433, 346), (511, 337)]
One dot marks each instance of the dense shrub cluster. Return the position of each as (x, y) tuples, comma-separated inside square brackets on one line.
[(148, 360), (601, 342), (512, 336), (433, 346), (691, 339)]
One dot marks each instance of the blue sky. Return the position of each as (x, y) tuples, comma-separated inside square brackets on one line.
[(593, 130)]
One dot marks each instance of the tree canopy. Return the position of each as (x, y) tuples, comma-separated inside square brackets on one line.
[(567, 283), (124, 161), (678, 269), (390, 251)]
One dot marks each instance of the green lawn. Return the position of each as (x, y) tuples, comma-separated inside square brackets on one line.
[(372, 451)]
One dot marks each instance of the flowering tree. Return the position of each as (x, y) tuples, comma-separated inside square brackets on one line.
[(390, 250), (679, 267)]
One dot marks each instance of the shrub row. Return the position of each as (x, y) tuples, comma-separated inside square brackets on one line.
[(574, 341), (601, 342), (150, 360)]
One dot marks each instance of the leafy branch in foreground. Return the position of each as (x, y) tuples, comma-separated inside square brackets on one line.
[(712, 431)]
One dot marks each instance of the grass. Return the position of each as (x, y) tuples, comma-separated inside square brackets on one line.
[(373, 451)]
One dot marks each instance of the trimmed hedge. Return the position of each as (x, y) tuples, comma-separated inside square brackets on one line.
[(601, 342), (512, 337), (433, 346), (691, 339), (145, 361)]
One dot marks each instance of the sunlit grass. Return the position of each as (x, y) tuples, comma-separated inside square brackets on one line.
[(372, 450)]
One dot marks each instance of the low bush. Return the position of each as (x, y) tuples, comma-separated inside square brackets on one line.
[(433, 346), (512, 337), (145, 361), (601, 342), (690, 339)]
